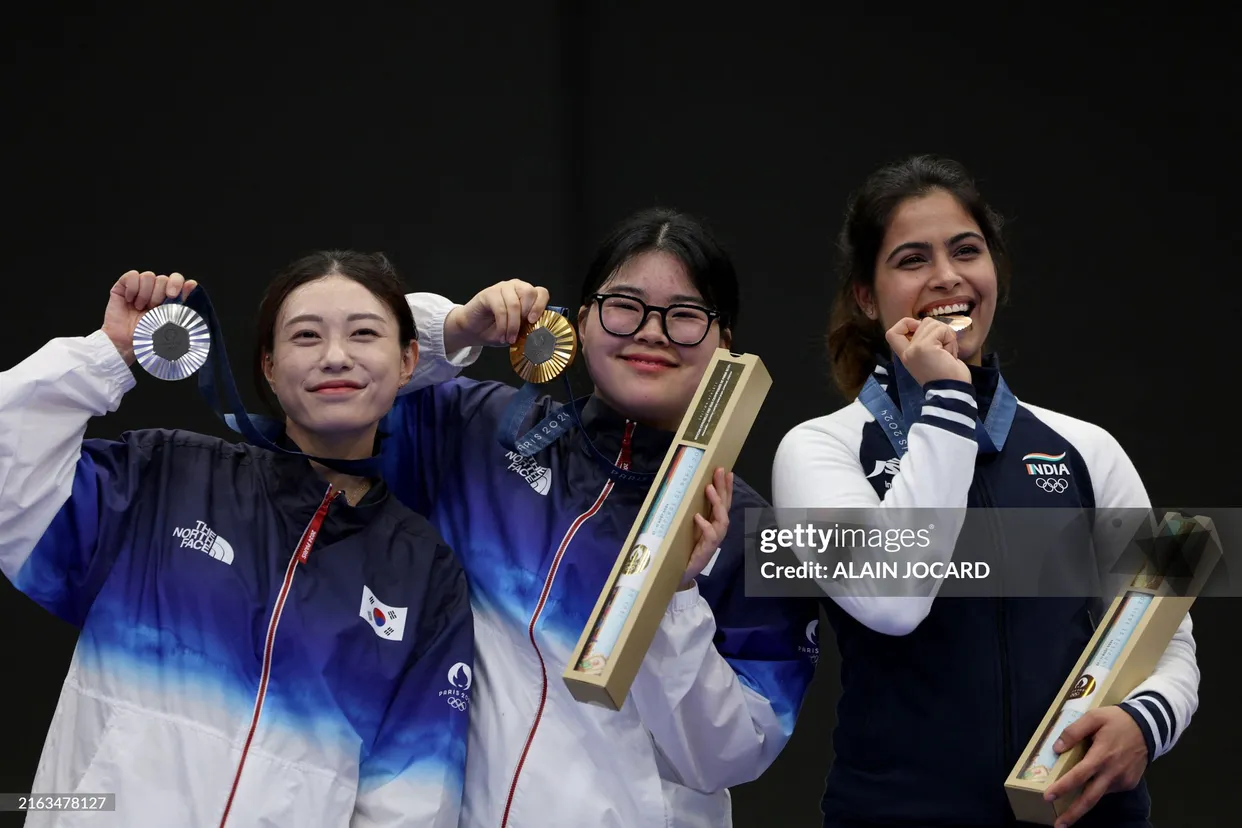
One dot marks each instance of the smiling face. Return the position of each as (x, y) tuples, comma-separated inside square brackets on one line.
[(934, 261), (336, 364), (646, 376)]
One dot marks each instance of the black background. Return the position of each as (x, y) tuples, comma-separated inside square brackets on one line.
[(487, 141)]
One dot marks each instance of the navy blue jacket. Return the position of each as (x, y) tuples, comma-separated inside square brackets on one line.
[(940, 696)]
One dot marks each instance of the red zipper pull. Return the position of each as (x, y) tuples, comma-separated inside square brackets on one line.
[(626, 441), (312, 531)]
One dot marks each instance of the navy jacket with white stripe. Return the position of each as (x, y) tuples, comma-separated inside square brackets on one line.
[(941, 695)]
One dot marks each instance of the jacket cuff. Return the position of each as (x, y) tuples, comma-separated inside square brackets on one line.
[(430, 312), (1154, 717), (684, 599), (108, 362), (434, 366)]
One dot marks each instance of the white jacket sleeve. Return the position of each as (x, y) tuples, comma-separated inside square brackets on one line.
[(1165, 702), (817, 467), (46, 402), (720, 690), (434, 365)]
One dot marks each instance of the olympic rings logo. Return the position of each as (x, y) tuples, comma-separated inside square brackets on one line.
[(457, 703), (1052, 484)]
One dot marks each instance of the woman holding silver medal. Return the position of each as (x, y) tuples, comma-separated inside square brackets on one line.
[(941, 695), (223, 675), (540, 529)]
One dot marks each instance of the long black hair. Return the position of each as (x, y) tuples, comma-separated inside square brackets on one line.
[(854, 340)]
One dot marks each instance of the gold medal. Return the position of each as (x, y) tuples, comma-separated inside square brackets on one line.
[(544, 348)]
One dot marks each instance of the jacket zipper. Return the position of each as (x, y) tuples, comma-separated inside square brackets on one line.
[(1002, 638), (623, 460), (300, 555)]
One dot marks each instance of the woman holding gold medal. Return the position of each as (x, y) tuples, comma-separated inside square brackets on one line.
[(940, 696), (539, 520)]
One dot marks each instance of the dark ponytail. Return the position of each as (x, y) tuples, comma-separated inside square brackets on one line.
[(853, 342)]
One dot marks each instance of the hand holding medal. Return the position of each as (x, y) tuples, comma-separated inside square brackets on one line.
[(146, 322), (495, 316), (928, 347), (542, 342)]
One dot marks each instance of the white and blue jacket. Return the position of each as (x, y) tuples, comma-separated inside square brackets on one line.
[(941, 695), (250, 643), (715, 699)]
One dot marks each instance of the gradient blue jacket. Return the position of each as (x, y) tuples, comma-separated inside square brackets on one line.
[(249, 641), (940, 695), (717, 695)]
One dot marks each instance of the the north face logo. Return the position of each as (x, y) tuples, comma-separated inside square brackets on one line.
[(539, 477), (202, 538)]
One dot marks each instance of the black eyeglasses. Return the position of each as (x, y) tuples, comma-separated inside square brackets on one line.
[(622, 315)]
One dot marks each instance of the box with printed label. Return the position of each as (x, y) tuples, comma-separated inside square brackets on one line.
[(653, 560), (1132, 636)]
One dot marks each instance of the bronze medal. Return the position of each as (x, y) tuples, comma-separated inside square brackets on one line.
[(544, 348), (958, 323)]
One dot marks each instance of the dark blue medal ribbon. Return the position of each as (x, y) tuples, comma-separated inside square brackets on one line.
[(258, 430), (990, 432), (554, 426)]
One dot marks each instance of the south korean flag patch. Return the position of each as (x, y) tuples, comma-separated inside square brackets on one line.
[(385, 621)]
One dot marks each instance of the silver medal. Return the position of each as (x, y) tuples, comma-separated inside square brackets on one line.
[(171, 342)]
